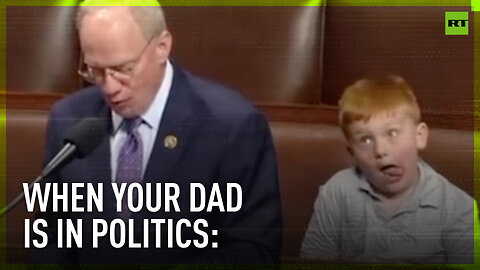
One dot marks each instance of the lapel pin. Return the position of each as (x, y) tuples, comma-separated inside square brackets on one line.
[(170, 141)]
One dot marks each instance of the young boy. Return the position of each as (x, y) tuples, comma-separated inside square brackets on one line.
[(391, 207)]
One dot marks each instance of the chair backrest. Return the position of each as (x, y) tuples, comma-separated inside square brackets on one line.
[(308, 154)]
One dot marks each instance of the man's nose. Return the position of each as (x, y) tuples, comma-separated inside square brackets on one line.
[(380, 148), (111, 86)]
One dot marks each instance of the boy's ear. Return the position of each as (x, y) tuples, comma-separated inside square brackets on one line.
[(422, 136)]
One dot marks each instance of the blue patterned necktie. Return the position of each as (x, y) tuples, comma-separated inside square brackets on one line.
[(130, 160)]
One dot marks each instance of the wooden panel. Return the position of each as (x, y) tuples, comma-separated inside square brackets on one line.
[(270, 54), (42, 49), (31, 101), (407, 41), (275, 112)]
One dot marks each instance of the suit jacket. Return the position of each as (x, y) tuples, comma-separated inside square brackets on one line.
[(221, 138)]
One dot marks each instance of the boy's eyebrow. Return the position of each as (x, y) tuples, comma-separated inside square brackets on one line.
[(360, 133), (390, 125)]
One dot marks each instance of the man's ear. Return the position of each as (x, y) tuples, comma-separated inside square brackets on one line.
[(163, 46), (422, 135)]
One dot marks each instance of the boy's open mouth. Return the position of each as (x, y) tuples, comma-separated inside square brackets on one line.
[(392, 171)]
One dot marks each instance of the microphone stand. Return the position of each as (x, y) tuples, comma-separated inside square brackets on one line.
[(67, 151), (19, 198)]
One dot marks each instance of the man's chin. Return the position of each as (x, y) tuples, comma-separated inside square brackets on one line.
[(124, 112)]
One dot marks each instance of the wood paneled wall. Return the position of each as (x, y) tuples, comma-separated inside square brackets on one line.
[(293, 62)]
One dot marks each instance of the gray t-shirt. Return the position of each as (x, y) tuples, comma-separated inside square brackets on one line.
[(435, 225)]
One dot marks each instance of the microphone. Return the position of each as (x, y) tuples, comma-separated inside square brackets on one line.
[(80, 141)]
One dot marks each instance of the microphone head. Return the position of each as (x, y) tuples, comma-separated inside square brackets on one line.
[(86, 135)]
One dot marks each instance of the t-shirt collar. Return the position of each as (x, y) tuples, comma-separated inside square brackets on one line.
[(424, 193)]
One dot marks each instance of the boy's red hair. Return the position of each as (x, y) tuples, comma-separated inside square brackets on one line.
[(366, 98)]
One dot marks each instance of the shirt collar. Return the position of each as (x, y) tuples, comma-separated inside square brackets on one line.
[(424, 194), (154, 113), (364, 185), (430, 187)]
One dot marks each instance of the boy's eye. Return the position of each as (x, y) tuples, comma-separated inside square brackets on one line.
[(366, 140), (393, 133)]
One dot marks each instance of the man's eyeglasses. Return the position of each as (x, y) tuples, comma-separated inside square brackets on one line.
[(122, 73)]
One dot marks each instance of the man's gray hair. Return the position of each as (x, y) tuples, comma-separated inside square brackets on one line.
[(150, 18)]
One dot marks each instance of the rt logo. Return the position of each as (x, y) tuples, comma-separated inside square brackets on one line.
[(456, 23)]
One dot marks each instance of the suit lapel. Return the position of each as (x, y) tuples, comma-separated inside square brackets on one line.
[(182, 116), (100, 158), (97, 165)]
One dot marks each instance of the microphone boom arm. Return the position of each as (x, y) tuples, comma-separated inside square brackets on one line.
[(80, 141)]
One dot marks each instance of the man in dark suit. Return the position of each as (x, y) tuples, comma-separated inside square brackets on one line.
[(177, 128)]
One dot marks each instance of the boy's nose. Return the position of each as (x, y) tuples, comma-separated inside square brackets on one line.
[(380, 149)]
